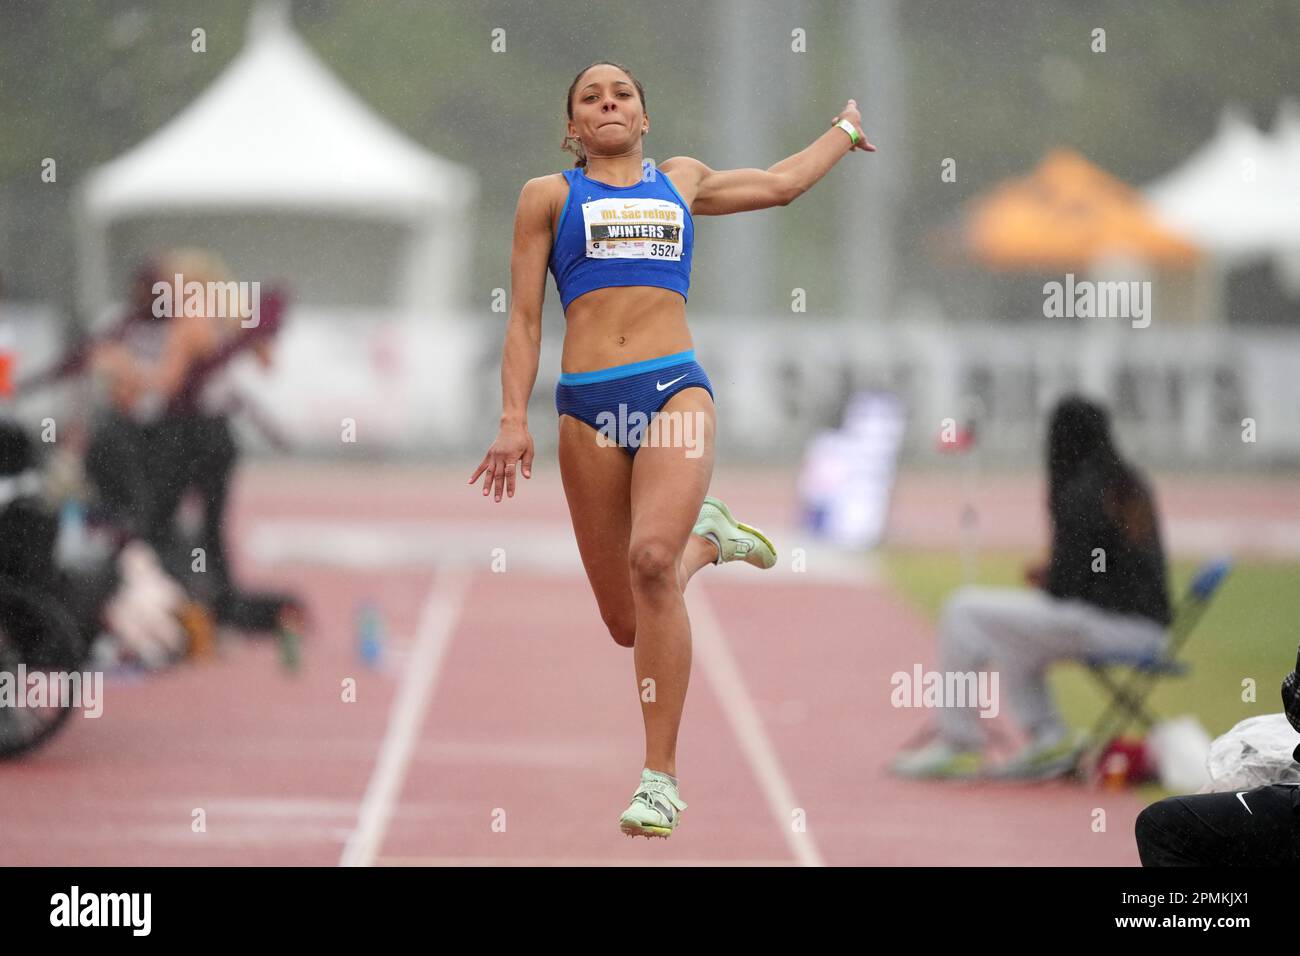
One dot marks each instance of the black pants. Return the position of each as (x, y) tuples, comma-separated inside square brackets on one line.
[(141, 473), (1259, 827), (211, 466), (121, 462)]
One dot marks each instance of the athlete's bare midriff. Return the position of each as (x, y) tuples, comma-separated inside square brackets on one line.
[(619, 324), (622, 324)]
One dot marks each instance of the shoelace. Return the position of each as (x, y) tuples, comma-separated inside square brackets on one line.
[(649, 788)]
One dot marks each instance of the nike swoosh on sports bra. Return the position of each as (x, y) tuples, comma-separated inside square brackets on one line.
[(641, 234)]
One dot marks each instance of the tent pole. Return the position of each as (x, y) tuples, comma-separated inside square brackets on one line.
[(92, 264)]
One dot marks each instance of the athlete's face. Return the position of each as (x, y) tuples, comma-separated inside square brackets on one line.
[(607, 113)]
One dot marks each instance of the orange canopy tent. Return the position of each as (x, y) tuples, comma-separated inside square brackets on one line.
[(1067, 213)]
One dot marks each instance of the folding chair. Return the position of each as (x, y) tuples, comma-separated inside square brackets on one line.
[(1128, 697)]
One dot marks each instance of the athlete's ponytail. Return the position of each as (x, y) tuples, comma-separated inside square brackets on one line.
[(572, 144)]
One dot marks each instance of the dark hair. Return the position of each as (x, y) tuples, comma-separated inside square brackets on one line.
[(1079, 432), (572, 144), (1079, 440)]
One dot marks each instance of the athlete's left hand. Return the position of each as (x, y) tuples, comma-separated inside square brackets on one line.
[(850, 113)]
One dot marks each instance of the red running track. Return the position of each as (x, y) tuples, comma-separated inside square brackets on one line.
[(505, 727)]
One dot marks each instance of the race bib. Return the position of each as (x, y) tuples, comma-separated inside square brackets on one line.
[(633, 229)]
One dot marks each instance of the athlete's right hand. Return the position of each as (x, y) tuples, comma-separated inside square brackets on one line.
[(513, 445)]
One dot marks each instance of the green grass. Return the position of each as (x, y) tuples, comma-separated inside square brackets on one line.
[(1250, 631)]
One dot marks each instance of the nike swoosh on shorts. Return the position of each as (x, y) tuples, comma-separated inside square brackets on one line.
[(1243, 802), (660, 386)]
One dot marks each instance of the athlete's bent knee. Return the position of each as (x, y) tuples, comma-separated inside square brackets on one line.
[(652, 563)]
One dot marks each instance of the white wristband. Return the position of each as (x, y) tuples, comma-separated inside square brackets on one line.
[(848, 128)]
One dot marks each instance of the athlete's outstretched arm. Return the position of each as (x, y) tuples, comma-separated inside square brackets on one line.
[(722, 191), (523, 342)]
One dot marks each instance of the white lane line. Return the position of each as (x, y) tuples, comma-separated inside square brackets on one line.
[(537, 546), (420, 675), (710, 644)]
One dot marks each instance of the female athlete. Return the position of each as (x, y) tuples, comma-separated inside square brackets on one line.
[(636, 410)]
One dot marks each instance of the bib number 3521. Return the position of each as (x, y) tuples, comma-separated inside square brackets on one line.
[(633, 229)]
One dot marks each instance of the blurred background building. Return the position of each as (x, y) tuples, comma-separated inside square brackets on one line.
[(370, 160)]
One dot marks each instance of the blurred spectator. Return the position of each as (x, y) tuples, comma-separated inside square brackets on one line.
[(1103, 591), (123, 437), (167, 430)]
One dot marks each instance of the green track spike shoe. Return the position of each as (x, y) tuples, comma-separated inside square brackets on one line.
[(939, 761), (736, 541), (655, 808)]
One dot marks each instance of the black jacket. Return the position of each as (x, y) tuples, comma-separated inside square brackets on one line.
[(1107, 506)]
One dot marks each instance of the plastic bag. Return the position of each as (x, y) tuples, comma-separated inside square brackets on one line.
[(1179, 748), (1254, 753)]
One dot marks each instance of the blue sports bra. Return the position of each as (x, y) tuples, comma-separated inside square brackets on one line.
[(622, 235)]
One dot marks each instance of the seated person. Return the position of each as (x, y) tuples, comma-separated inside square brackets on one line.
[(168, 430), (1103, 591)]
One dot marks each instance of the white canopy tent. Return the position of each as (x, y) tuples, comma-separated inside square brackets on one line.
[(1286, 134), (1238, 196), (277, 138)]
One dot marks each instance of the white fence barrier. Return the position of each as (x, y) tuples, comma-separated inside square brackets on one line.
[(1212, 396)]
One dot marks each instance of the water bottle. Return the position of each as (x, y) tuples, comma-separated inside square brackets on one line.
[(290, 623), (72, 543), (370, 634), (1115, 771), (290, 647)]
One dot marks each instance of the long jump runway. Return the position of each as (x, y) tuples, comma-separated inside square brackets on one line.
[(502, 726)]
